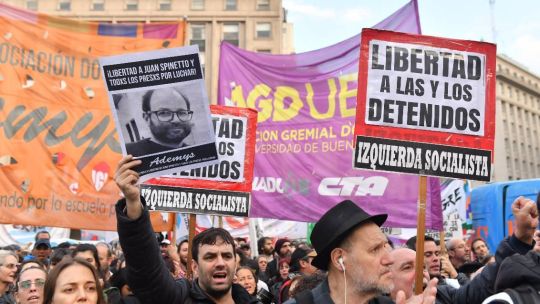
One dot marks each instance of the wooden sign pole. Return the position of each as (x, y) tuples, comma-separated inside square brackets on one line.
[(420, 232), (442, 242), (192, 222), (173, 232)]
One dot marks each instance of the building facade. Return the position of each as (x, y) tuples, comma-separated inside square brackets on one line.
[(261, 25), (517, 135), (255, 25)]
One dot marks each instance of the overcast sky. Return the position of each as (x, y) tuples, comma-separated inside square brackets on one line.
[(319, 23)]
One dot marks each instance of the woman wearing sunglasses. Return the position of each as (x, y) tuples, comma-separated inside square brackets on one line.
[(29, 287)]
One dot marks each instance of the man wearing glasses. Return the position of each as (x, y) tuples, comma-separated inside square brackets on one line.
[(168, 115)]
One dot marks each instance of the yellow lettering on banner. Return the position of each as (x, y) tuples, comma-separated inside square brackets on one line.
[(261, 90), (347, 130), (282, 93), (345, 93), (271, 102), (331, 101), (266, 135), (237, 96)]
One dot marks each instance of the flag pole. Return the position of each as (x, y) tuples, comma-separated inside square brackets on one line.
[(420, 232)]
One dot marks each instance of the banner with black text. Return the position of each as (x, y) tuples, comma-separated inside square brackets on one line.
[(436, 96)]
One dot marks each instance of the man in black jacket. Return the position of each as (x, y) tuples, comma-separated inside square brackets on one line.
[(519, 276), (483, 285), (352, 247), (213, 254)]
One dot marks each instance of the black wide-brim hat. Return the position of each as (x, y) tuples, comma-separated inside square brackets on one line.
[(335, 225)]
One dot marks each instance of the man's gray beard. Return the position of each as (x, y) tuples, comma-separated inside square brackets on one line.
[(370, 285)]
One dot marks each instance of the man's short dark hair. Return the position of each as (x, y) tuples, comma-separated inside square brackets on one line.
[(210, 237), (40, 232), (87, 247), (411, 243), (243, 258), (477, 240), (58, 254), (64, 245), (148, 96), (260, 244), (427, 238)]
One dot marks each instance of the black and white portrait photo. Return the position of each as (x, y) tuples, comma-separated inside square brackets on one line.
[(161, 110), (162, 119)]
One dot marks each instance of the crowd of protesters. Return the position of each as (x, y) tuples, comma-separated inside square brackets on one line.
[(67, 273), (347, 260)]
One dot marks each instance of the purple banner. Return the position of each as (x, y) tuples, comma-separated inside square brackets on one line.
[(304, 148)]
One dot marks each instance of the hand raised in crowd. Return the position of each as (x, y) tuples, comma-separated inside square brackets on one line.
[(428, 297), (172, 251), (526, 215), (447, 269), (537, 240), (126, 179)]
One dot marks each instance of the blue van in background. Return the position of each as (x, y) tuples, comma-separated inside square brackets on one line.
[(491, 207)]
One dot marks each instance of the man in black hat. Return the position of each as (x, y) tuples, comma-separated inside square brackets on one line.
[(352, 247), (42, 251), (301, 261)]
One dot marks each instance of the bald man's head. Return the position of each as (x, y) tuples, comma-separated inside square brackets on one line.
[(458, 252), (403, 271)]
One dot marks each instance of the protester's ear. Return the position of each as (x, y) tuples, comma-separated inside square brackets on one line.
[(194, 266), (335, 257), (146, 116)]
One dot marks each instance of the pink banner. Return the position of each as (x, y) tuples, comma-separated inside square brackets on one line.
[(304, 146)]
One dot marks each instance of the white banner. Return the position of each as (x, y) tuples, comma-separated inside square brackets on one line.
[(423, 87)]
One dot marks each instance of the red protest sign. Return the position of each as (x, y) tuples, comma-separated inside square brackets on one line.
[(222, 188), (426, 105)]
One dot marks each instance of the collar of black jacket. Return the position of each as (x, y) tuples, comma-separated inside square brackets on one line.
[(321, 294), (239, 294)]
